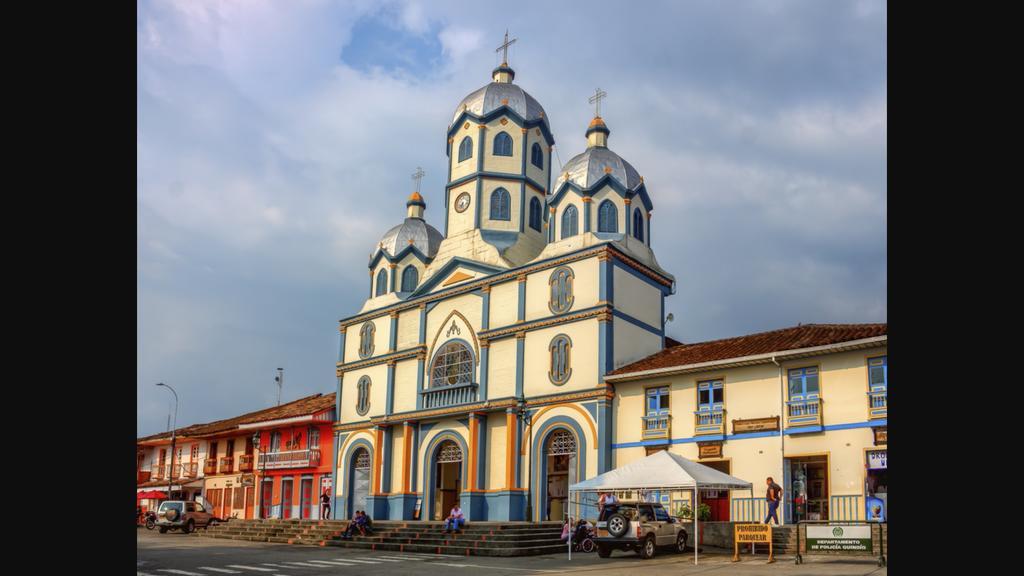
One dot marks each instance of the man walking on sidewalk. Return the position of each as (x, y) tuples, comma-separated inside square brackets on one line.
[(325, 506), (774, 496)]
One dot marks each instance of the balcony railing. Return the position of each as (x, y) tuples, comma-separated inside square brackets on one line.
[(709, 422), (210, 467), (176, 471), (191, 469), (227, 465), (657, 426), (143, 476), (160, 472), (878, 405), (449, 395), (800, 413), (245, 463), (290, 459)]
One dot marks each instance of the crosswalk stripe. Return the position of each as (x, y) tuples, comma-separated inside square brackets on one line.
[(183, 572), (361, 561), (332, 562), (383, 559), (275, 565), (400, 557), (224, 570), (142, 573), (305, 564), (450, 564), (256, 568)]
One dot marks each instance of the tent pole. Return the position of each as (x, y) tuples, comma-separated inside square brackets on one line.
[(696, 532), (568, 541)]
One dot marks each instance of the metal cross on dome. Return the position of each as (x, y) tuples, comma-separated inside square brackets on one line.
[(504, 47), (418, 176), (596, 101)]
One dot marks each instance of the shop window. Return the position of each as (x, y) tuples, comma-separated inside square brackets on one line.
[(560, 284)]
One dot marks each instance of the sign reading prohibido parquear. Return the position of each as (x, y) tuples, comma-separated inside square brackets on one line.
[(833, 538), (752, 534)]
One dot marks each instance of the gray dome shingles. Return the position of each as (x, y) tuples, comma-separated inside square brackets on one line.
[(489, 98), (423, 236), (585, 169)]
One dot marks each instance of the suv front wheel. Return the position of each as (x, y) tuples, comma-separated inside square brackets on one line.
[(189, 527), (603, 551), (647, 548)]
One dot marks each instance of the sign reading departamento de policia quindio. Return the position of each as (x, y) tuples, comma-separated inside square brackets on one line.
[(838, 538)]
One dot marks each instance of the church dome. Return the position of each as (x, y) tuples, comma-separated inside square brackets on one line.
[(413, 231), (497, 94), (585, 169)]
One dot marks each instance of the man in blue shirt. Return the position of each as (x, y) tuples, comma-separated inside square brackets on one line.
[(455, 519)]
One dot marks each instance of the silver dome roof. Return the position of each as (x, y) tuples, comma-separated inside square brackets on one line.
[(489, 98), (584, 170), (413, 231)]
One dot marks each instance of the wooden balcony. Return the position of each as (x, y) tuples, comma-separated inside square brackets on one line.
[(227, 465), (245, 463), (143, 476), (443, 396), (290, 459), (657, 426), (803, 413), (159, 473), (176, 471), (191, 469), (209, 467), (709, 422), (878, 405)]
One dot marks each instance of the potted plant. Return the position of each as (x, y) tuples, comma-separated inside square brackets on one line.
[(685, 513)]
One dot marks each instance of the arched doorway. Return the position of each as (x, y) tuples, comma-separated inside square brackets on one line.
[(560, 453), (359, 481), (447, 478)]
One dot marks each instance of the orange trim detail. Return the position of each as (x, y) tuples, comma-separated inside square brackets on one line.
[(378, 454), (406, 450), (473, 432), (510, 447)]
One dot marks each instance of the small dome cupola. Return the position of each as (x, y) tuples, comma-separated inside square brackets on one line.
[(415, 205), (597, 132), (503, 73)]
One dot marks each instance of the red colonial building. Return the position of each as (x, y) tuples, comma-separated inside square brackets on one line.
[(294, 457)]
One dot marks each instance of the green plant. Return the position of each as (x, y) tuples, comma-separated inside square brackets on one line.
[(684, 511), (704, 512)]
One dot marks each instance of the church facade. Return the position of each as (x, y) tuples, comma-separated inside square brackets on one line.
[(475, 370)]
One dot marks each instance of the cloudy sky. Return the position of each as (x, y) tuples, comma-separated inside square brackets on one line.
[(276, 139)]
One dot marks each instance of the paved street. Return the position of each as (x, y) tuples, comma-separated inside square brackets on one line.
[(172, 553)]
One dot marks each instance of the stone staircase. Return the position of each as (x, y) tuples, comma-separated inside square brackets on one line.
[(476, 539)]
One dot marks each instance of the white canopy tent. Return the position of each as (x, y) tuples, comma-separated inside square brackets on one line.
[(663, 471)]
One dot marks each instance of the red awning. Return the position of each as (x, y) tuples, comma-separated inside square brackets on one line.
[(151, 494)]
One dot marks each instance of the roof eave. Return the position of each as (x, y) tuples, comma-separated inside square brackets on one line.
[(750, 360)]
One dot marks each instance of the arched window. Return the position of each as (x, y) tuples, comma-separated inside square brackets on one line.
[(410, 277), (537, 156), (607, 217), (366, 340), (502, 144), (449, 451), (453, 365), (638, 225), (570, 222), (560, 284), (363, 396), (500, 205), (465, 149), (561, 367), (382, 282), (535, 213), (561, 443)]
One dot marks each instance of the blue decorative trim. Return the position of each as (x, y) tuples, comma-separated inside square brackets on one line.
[(410, 249), (806, 429), (393, 336), (503, 110), (604, 439), (450, 266), (341, 347), (591, 407), (485, 354), (423, 326), (538, 460), (476, 202), (498, 176), (521, 304), (520, 349), (607, 180), (481, 451), (419, 383), (536, 323), (389, 402), (387, 454), (522, 200), (414, 457), (638, 323), (485, 314), (586, 216), (349, 463)]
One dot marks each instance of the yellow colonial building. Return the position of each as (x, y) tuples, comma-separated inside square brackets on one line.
[(508, 357)]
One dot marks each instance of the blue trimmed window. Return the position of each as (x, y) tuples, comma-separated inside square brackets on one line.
[(535, 213), (804, 405), (410, 277), (366, 339), (560, 284), (466, 149), (501, 205), (607, 217), (363, 396), (657, 401), (502, 144), (657, 414), (382, 282), (638, 225), (803, 383), (561, 360), (570, 222), (452, 366), (878, 383), (537, 156), (709, 395)]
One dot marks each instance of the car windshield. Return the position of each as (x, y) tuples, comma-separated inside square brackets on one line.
[(171, 506)]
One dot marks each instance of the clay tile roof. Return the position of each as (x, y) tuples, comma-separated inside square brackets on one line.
[(793, 338), (301, 407)]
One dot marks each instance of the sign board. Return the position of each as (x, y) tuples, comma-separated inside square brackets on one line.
[(755, 425), (709, 450), (248, 480), (876, 459), (416, 510), (752, 534), (326, 484), (881, 435), (836, 538)]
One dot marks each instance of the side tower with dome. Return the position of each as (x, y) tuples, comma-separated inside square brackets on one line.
[(475, 371)]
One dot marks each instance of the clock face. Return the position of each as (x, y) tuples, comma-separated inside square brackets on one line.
[(462, 202)]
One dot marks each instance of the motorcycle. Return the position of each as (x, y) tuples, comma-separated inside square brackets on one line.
[(148, 520)]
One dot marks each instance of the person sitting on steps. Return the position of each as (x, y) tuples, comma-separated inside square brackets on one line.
[(455, 519), (355, 524)]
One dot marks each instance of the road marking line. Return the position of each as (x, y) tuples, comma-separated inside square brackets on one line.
[(256, 568), (332, 562), (218, 570), (361, 561), (305, 564), (450, 564), (385, 559), (400, 557), (274, 565), (142, 573), (502, 567), (174, 571)]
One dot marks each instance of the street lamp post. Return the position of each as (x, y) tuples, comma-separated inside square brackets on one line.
[(258, 482), (174, 430), (524, 414)]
